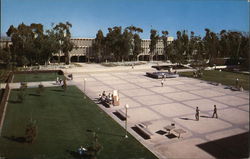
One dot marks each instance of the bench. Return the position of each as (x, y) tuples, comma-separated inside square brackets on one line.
[(105, 103), (169, 128), (179, 132), (122, 113), (143, 129)]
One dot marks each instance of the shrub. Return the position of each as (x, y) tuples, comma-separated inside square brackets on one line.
[(31, 131), (95, 148), (60, 72), (40, 89), (21, 94)]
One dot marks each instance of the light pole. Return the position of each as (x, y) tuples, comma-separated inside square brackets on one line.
[(85, 87), (126, 121)]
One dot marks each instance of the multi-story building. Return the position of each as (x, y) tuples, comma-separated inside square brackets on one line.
[(83, 48)]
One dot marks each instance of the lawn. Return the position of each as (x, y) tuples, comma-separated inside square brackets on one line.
[(223, 77), (36, 77), (65, 121)]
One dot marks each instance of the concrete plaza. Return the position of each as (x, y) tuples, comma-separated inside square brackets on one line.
[(175, 102)]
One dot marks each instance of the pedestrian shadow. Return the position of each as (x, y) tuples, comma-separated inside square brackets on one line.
[(204, 116), (187, 119), (15, 139)]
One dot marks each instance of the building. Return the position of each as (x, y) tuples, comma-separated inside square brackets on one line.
[(83, 49)]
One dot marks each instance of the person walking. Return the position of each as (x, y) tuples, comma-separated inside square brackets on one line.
[(215, 112), (162, 82), (237, 83), (197, 114)]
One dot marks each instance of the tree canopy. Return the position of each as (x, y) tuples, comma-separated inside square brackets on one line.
[(31, 45)]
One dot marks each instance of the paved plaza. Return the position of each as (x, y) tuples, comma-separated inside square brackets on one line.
[(175, 102)]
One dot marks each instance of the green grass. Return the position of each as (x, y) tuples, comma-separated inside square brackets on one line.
[(223, 77), (36, 77), (63, 120)]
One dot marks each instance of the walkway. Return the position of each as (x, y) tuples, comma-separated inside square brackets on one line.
[(161, 106), (173, 103)]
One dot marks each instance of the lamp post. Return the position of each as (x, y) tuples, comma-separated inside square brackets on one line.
[(85, 87), (126, 121)]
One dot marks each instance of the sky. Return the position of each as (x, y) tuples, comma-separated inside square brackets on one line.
[(88, 16)]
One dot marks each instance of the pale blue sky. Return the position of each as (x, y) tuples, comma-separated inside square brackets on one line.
[(88, 16)]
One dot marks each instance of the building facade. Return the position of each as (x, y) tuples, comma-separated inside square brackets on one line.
[(83, 49)]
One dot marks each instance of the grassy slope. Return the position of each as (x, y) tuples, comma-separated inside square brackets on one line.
[(63, 119), (223, 77), (36, 77)]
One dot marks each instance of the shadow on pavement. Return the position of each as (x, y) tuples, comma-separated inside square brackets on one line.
[(187, 119), (236, 146), (204, 116)]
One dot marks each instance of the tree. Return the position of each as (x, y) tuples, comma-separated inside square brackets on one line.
[(137, 45), (211, 43), (30, 45), (114, 43), (95, 148), (154, 37), (5, 56), (136, 48), (99, 45), (63, 35), (180, 46), (31, 131), (126, 44), (164, 38)]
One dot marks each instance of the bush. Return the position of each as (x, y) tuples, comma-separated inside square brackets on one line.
[(24, 85), (21, 94), (60, 72), (40, 89), (31, 131)]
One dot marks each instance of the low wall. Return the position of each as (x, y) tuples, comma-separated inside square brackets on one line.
[(3, 105)]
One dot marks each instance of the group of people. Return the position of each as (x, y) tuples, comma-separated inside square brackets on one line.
[(81, 150), (197, 114), (58, 80), (106, 98), (197, 74), (70, 76), (237, 85)]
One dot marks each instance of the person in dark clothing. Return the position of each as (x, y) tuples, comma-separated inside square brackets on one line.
[(197, 114), (215, 112)]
